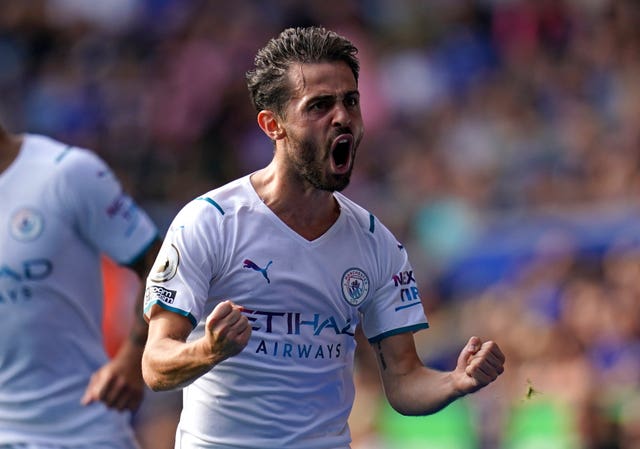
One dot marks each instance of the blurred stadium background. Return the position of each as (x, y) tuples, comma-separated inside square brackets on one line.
[(502, 148)]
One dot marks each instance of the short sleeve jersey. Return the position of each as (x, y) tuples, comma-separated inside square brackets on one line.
[(292, 386), (60, 209)]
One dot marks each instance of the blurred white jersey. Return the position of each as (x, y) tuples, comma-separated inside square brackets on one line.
[(292, 386), (60, 208)]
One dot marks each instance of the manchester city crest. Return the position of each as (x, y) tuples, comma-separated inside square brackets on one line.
[(355, 286)]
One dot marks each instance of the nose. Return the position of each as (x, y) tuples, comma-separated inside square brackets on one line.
[(341, 116)]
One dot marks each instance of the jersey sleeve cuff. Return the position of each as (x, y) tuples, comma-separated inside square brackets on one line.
[(401, 330), (169, 308)]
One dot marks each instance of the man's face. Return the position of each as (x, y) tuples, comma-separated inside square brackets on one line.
[(323, 124)]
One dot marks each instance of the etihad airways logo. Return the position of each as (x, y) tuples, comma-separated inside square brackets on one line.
[(16, 280), (294, 324)]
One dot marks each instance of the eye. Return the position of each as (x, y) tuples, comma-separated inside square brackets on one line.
[(319, 105), (352, 101)]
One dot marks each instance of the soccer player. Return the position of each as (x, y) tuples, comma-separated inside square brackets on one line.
[(255, 296), (61, 209)]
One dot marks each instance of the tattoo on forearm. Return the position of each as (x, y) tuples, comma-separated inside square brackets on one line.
[(383, 364)]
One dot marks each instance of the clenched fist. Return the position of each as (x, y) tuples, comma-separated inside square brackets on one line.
[(227, 330)]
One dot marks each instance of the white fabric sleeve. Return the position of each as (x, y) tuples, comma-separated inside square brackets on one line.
[(187, 262), (103, 213), (396, 306)]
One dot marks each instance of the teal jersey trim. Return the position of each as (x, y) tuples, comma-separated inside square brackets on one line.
[(372, 223), (406, 306), (402, 330), (213, 203), (172, 309), (63, 154)]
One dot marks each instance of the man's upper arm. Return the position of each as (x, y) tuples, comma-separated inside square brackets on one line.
[(166, 324), (396, 356)]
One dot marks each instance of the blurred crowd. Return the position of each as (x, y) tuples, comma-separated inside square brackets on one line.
[(502, 147)]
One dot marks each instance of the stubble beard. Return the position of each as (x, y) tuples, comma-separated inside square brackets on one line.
[(312, 170)]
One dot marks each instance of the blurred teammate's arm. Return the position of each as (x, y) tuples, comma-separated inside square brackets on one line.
[(140, 329), (170, 362), (413, 389), (119, 383)]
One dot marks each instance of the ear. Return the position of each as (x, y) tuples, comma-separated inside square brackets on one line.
[(270, 125)]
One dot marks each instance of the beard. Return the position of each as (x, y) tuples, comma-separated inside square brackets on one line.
[(311, 166)]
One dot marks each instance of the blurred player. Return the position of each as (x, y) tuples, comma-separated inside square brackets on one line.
[(255, 296), (61, 208)]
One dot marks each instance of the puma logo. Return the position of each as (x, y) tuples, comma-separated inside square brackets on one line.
[(250, 264)]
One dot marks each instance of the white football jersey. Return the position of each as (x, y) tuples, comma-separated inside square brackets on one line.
[(60, 208), (292, 386)]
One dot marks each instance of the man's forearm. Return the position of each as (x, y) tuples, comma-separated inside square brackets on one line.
[(171, 364)]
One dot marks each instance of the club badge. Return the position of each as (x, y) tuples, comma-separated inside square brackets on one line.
[(355, 286)]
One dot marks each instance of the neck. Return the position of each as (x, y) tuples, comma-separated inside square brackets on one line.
[(9, 148), (308, 211)]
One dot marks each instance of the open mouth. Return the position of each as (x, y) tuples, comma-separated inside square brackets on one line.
[(341, 151)]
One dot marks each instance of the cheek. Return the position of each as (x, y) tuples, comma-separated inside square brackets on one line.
[(358, 134), (309, 153)]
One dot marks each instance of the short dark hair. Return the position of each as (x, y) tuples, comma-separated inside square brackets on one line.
[(267, 81)]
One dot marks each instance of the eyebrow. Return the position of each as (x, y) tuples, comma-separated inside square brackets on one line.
[(350, 93)]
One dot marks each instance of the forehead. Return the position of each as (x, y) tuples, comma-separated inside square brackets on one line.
[(325, 78)]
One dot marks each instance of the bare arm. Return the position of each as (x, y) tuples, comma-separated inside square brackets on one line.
[(119, 382), (139, 330), (169, 361), (413, 389)]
